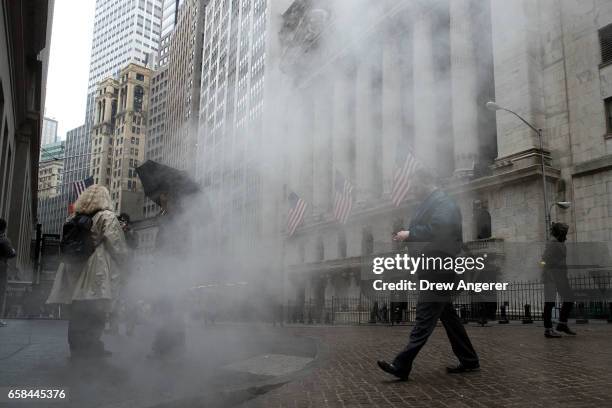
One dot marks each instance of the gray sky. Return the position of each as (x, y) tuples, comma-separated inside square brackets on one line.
[(69, 63)]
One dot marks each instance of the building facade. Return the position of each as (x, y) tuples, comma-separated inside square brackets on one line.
[(25, 30), (77, 158), (49, 132), (124, 31), (119, 135), (421, 76), (236, 58), (183, 87)]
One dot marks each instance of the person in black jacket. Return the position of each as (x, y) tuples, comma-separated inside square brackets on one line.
[(554, 262), (6, 252), (434, 231)]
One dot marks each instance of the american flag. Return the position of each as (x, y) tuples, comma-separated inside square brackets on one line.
[(406, 165), (81, 185), (343, 199), (297, 208)]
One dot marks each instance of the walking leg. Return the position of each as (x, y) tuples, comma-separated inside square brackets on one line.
[(459, 339), (427, 314)]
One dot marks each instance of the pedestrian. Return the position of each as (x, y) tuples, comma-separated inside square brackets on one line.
[(436, 230), (554, 262), (130, 236), (171, 246), (6, 252), (90, 281)]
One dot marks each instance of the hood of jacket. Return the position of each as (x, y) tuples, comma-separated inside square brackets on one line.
[(95, 198)]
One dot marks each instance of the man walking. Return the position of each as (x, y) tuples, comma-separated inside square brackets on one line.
[(437, 231), (554, 262), (6, 252)]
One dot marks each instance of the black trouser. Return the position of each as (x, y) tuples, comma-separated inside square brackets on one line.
[(566, 308), (87, 320), (557, 282), (427, 315)]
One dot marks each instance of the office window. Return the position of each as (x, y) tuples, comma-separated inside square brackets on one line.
[(608, 109)]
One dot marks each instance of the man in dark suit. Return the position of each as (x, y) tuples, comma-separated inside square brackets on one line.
[(434, 231)]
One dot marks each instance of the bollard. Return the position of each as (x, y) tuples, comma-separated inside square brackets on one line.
[(581, 316), (503, 314), (527, 318)]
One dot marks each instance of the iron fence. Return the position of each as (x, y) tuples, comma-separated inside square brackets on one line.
[(522, 301)]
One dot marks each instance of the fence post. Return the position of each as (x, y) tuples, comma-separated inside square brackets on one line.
[(359, 309), (582, 312)]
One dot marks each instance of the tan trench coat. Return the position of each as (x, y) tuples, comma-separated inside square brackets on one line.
[(98, 277)]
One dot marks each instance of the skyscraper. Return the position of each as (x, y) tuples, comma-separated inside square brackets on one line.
[(183, 92), (118, 139), (77, 156), (124, 31), (49, 131), (231, 110)]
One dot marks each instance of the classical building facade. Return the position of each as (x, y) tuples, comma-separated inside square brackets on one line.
[(25, 30), (119, 135), (420, 75)]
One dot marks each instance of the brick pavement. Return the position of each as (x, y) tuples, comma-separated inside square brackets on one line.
[(520, 368)]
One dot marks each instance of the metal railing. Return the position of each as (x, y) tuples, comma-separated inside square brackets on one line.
[(522, 301)]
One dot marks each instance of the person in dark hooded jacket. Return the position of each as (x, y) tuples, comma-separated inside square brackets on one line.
[(554, 262)]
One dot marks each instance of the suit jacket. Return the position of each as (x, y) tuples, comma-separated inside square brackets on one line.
[(437, 226)]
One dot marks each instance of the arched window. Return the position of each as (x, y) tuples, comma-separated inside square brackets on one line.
[(138, 98)]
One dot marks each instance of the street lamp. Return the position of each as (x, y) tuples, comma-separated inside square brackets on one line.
[(491, 105)]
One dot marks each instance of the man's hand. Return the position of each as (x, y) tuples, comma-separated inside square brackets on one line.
[(401, 236)]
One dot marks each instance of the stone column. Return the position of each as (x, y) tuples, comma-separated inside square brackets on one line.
[(322, 156), (464, 86), (341, 120), (391, 110), (364, 130), (425, 137)]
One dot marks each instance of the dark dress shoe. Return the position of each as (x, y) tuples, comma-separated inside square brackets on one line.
[(462, 369), (393, 370), (563, 328)]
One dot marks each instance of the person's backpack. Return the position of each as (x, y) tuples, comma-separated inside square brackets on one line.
[(77, 243)]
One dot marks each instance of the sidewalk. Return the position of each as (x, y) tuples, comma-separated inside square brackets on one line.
[(520, 368), (225, 365)]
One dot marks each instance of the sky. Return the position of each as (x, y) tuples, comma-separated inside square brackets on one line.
[(69, 63)]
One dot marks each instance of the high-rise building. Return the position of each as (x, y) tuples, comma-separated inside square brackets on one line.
[(49, 131), (118, 132), (124, 31), (77, 155), (157, 101), (51, 212), (25, 32), (231, 106), (183, 87), (50, 170)]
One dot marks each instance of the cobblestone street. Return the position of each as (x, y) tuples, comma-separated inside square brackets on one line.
[(520, 368)]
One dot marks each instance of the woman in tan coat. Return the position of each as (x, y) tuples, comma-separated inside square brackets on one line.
[(91, 286)]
